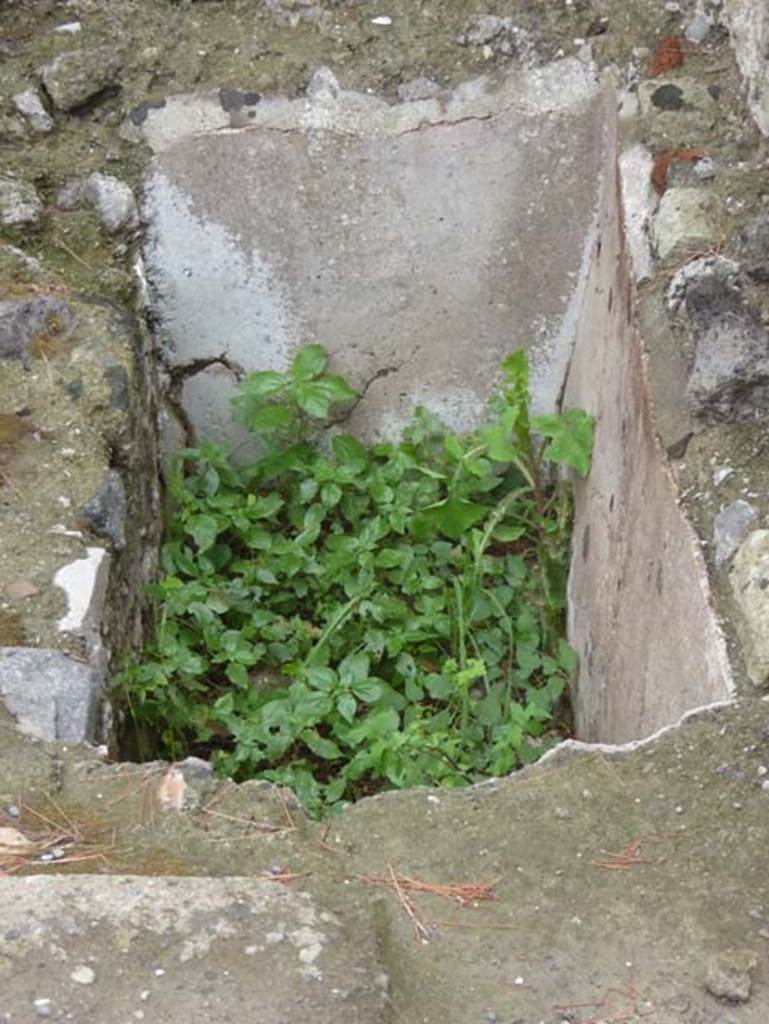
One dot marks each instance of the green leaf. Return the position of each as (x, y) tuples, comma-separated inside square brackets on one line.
[(309, 362), (266, 419), (452, 518), (349, 450), (354, 669), (266, 576), (315, 397), (264, 507), (204, 530), (262, 384), (571, 438), (567, 657), (237, 674), (320, 677), (368, 691), (330, 495), (508, 534), (347, 705), (515, 367), (324, 748)]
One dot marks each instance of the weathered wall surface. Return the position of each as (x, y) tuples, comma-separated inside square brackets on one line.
[(79, 496), (419, 242), (640, 615)]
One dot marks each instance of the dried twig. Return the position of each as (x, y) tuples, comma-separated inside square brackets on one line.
[(419, 927), (628, 857), (466, 893)]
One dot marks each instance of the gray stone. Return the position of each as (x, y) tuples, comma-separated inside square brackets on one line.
[(418, 89), (30, 106), (500, 35), (753, 247), (704, 169), (20, 205), (699, 25), (24, 321), (676, 112), (695, 272), (483, 28), (749, 579), (687, 219), (51, 696), (730, 375), (728, 981), (105, 512), (74, 78), (113, 200), (227, 948), (729, 528), (71, 195)]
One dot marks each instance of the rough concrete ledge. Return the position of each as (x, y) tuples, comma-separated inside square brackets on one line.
[(556, 87), (132, 948)]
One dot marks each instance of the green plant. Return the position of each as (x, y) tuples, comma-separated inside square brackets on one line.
[(343, 618)]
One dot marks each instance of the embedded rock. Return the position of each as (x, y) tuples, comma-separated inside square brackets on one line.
[(105, 512), (687, 220), (418, 89), (677, 112), (51, 696), (754, 247), (30, 106), (750, 585), (112, 199), (25, 321), (78, 76), (730, 375), (729, 528), (20, 204)]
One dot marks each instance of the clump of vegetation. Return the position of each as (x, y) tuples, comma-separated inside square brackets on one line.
[(343, 618)]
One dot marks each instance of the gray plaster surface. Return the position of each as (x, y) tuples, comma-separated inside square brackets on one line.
[(171, 949), (419, 242)]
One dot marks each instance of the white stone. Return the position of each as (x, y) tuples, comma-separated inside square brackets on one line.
[(639, 200), (30, 106), (84, 582), (113, 200)]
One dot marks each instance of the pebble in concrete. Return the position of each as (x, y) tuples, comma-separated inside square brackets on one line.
[(84, 975), (750, 585), (20, 205)]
